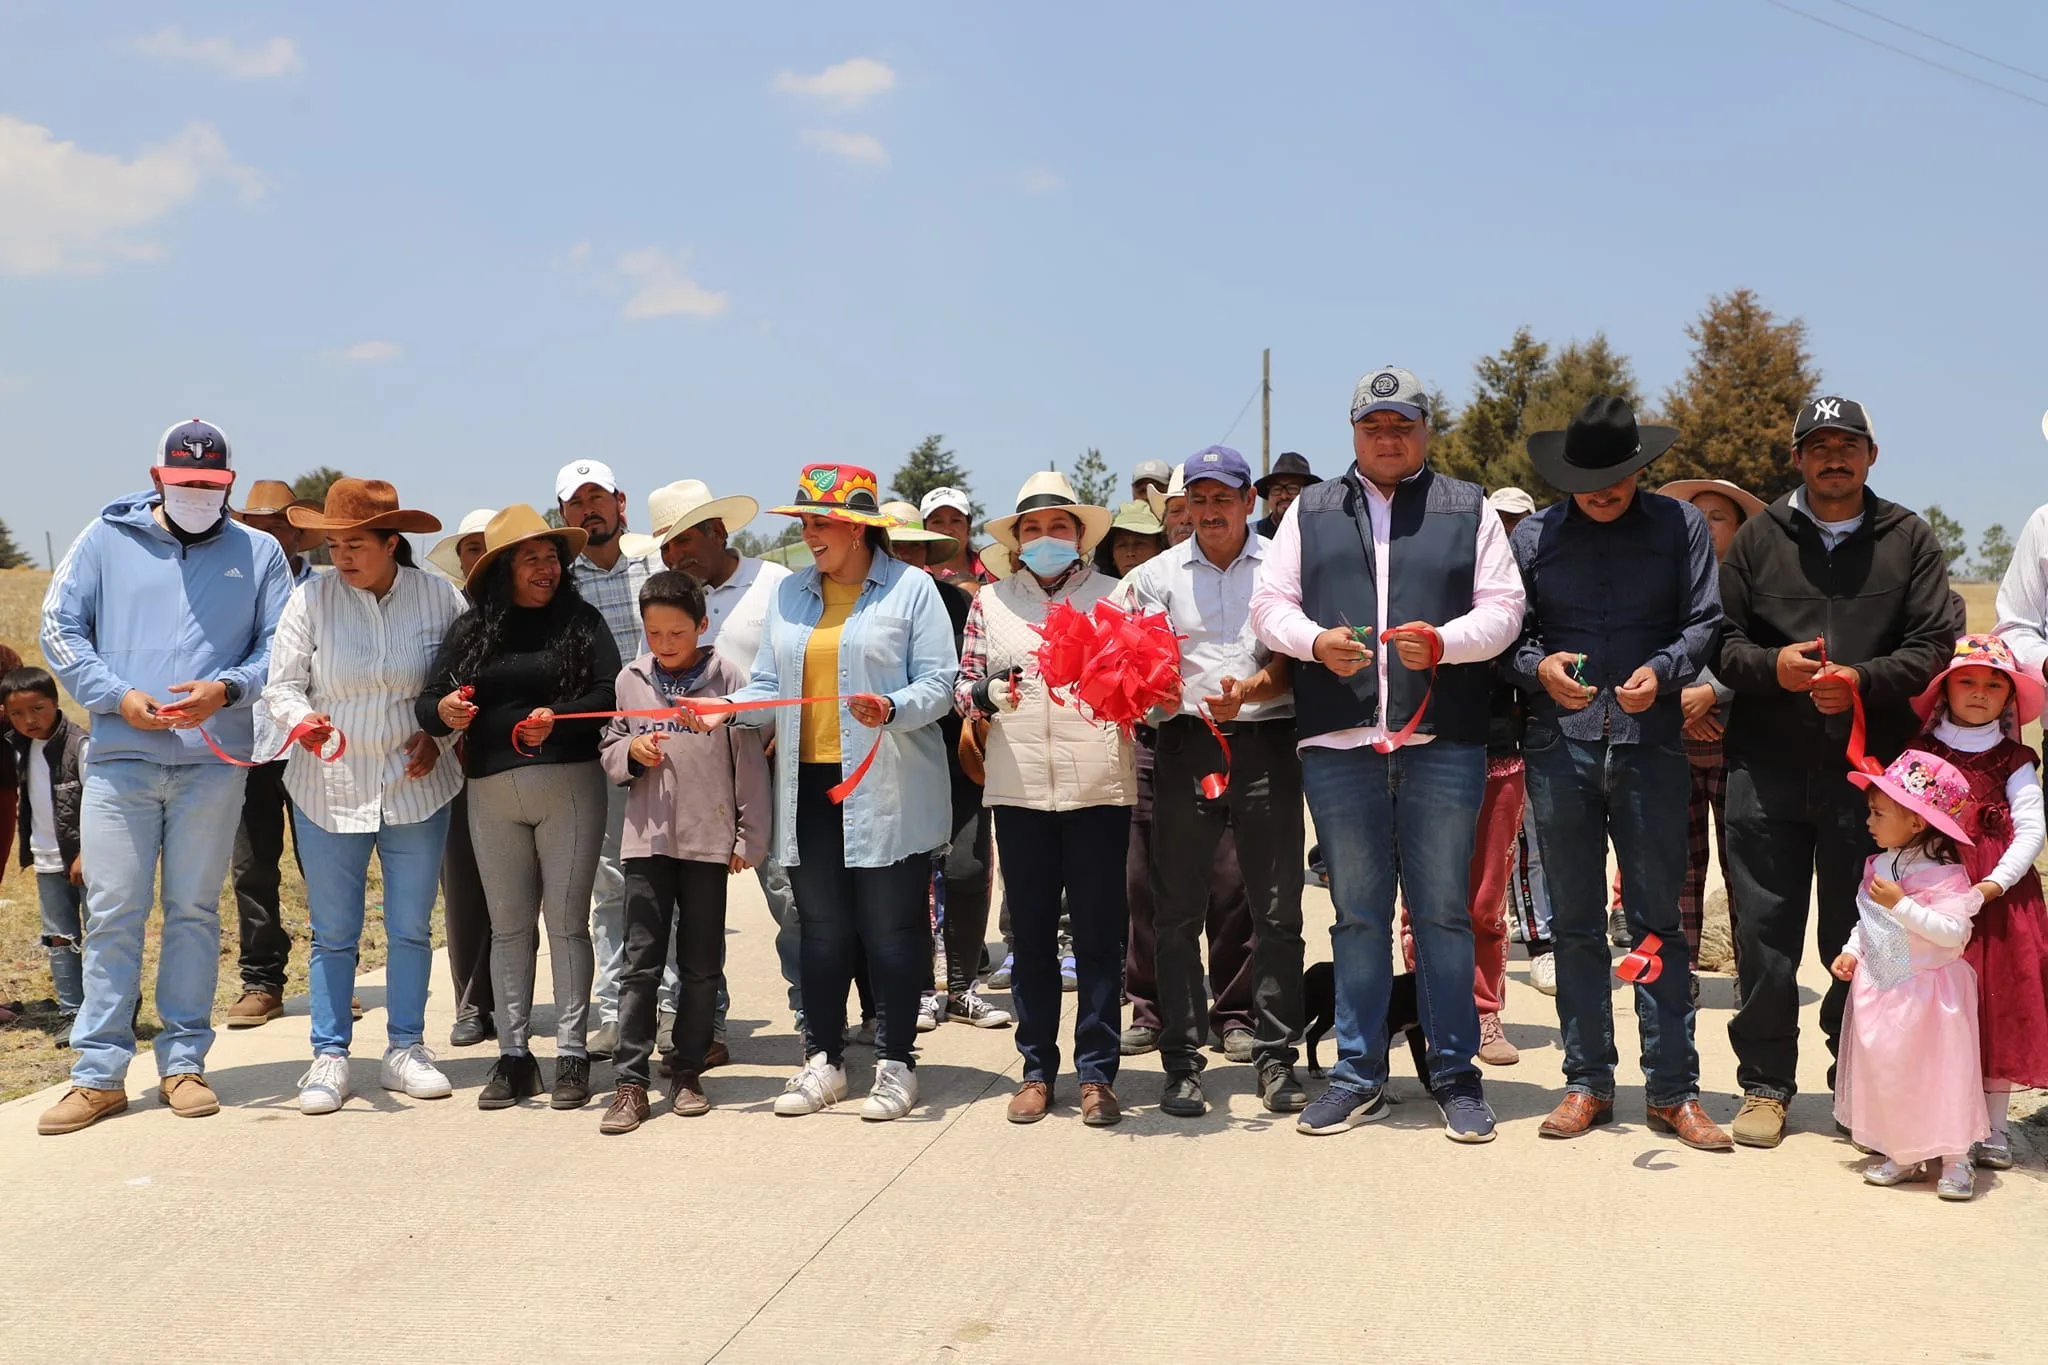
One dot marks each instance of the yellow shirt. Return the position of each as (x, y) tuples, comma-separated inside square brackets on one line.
[(819, 741)]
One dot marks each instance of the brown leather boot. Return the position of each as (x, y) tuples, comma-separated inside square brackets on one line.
[(81, 1107), (256, 1008), (1030, 1102), (1576, 1114), (687, 1099), (629, 1109), (1099, 1107), (1690, 1125), (188, 1095)]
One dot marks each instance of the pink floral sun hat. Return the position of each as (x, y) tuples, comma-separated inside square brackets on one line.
[(1929, 787), (1985, 651)]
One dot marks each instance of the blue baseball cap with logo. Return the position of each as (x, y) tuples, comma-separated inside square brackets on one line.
[(1220, 463)]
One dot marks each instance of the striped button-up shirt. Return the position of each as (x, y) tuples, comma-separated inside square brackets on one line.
[(360, 660), (615, 592)]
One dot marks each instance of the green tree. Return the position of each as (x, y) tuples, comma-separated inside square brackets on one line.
[(1484, 444), (313, 485), (1949, 533), (930, 466), (1092, 481), (1735, 404), (1582, 371), (11, 556), (1994, 553)]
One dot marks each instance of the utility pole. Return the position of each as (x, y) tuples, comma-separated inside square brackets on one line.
[(1266, 416), (49, 552)]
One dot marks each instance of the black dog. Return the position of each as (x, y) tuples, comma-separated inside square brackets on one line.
[(1319, 999)]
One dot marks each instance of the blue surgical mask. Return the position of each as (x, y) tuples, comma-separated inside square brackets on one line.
[(1046, 556)]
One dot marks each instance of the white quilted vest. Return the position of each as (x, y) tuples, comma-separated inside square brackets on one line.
[(1044, 755)]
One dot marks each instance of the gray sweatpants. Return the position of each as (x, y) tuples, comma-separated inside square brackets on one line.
[(537, 832)]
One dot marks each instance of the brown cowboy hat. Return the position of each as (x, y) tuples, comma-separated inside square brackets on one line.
[(362, 505), (519, 523), (269, 497)]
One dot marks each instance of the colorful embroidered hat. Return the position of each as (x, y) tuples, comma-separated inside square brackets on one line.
[(1929, 787), (843, 492), (1985, 651)]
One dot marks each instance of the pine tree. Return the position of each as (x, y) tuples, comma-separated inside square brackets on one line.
[(927, 467), (314, 483), (1582, 371), (1994, 554), (1948, 533), (1735, 405), (1092, 482), (1485, 444), (11, 556)]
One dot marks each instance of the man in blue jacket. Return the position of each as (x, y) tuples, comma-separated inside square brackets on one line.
[(159, 623)]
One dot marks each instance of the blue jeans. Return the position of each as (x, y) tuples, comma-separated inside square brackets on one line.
[(337, 868), (135, 815), (1583, 792), (63, 907), (1400, 822)]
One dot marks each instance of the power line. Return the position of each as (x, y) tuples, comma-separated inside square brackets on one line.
[(1256, 390), (1909, 54), (1937, 38)]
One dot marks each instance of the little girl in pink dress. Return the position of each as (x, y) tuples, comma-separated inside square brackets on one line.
[(1909, 1076)]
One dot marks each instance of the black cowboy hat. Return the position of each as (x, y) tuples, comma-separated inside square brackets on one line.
[(1601, 446), (1288, 466)]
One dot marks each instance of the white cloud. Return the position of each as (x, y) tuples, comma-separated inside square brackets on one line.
[(260, 61), (373, 350), (579, 253), (1039, 180), (74, 211), (852, 146), (849, 85), (661, 289)]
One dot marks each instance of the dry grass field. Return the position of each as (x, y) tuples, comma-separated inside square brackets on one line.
[(33, 1052)]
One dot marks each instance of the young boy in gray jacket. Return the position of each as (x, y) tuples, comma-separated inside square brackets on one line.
[(697, 813)]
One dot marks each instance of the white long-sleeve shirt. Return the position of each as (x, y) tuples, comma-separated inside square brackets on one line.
[(2023, 594), (2022, 793), (1481, 633)]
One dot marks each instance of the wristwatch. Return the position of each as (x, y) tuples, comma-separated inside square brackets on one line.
[(233, 689)]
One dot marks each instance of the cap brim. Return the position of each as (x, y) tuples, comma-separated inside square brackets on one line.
[(1864, 432), (198, 478), (1938, 819), (1546, 452), (1408, 410), (833, 512)]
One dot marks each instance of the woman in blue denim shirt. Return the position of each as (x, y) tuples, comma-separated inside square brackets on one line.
[(862, 625)]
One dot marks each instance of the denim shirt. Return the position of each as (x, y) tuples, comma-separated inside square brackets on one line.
[(897, 643), (1643, 589)]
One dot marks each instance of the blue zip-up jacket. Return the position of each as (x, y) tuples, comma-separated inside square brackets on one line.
[(130, 607), (896, 643)]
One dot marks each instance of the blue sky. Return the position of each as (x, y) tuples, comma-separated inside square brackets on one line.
[(457, 246)]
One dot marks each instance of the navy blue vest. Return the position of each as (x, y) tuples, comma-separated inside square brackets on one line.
[(1432, 549)]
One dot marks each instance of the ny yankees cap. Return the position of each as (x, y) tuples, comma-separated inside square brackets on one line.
[(195, 452), (1837, 414), (1220, 463), (574, 476), (1390, 389)]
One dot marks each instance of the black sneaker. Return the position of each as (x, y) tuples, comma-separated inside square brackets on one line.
[(514, 1077), (1280, 1091), (1182, 1097), (572, 1083)]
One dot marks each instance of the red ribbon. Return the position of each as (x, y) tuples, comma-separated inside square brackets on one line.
[(1394, 741), (700, 709), (1859, 761), (1215, 784), (302, 730), (1643, 963)]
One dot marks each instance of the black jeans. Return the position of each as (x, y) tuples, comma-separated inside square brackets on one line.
[(266, 946), (664, 896), (1080, 852), (842, 911), (466, 915), (1787, 827), (1262, 807), (966, 873)]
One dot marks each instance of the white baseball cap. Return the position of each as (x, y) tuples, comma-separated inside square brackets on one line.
[(954, 498), (574, 476)]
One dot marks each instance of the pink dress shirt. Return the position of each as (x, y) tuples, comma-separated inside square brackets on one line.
[(1481, 633)]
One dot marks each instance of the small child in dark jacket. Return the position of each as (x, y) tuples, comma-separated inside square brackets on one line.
[(697, 813), (49, 754)]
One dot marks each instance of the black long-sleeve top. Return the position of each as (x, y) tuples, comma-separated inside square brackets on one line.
[(524, 673)]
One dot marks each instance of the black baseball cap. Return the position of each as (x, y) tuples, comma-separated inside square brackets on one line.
[(1836, 414), (195, 452)]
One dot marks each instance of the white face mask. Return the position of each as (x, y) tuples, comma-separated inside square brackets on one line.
[(195, 511)]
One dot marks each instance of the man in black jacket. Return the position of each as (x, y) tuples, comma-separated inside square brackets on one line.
[(1832, 595)]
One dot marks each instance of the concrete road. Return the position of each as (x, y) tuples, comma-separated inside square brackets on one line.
[(409, 1230)]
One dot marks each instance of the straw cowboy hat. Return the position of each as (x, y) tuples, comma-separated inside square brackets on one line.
[(446, 554), (1049, 490), (910, 529), (842, 492), (515, 525), (674, 508), (1176, 487), (269, 497), (1602, 446), (997, 561), (362, 505), (1685, 490)]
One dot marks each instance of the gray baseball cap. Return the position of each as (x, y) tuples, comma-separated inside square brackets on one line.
[(1158, 471), (1390, 389)]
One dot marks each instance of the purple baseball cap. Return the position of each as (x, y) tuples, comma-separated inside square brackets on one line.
[(1220, 463)]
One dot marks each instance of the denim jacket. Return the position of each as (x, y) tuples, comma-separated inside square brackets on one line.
[(897, 643)]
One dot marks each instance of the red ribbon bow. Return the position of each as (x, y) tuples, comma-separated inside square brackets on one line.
[(1643, 963)]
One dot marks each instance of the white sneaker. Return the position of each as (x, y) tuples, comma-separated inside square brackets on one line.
[(970, 1008), (325, 1084), (893, 1093), (411, 1070), (930, 1011), (819, 1085), (1543, 973)]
